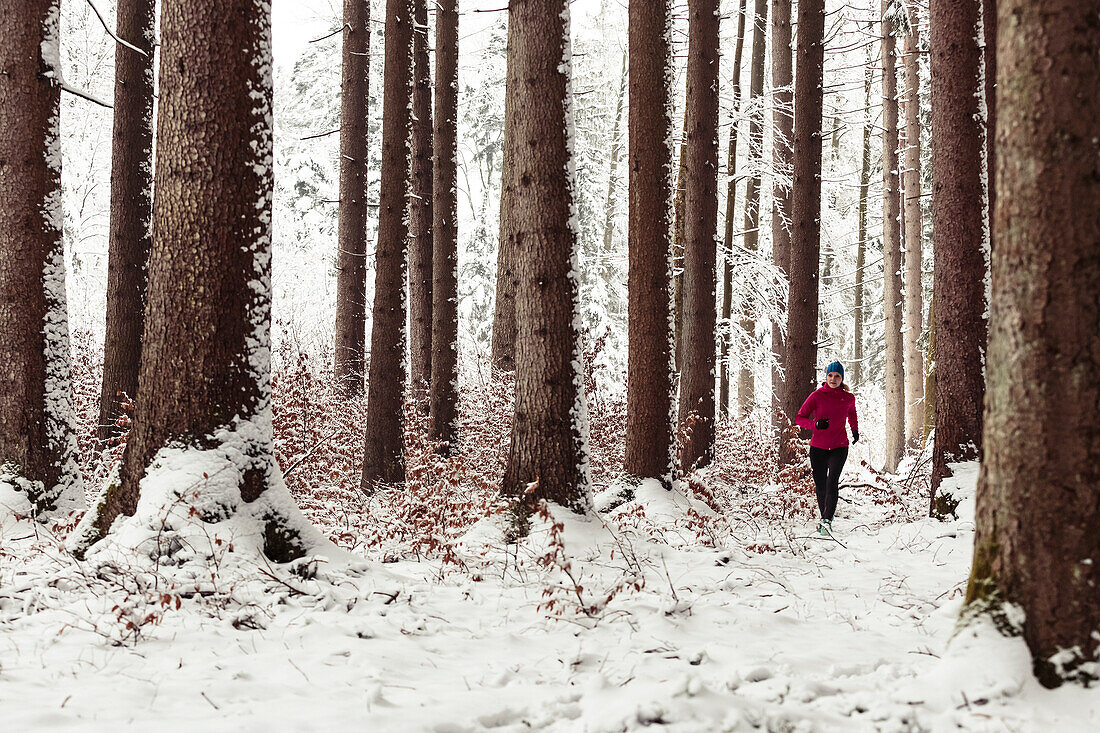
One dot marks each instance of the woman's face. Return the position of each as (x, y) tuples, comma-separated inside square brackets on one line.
[(833, 379)]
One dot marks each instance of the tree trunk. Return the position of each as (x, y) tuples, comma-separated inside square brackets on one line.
[(746, 385), (855, 371), (549, 426), (613, 165), (504, 311), (891, 250), (700, 231), (957, 235), (384, 460), (650, 382), (914, 324), (205, 381), (1038, 503), (989, 78), (782, 162), (678, 255), (731, 206), (351, 252), (131, 233), (37, 445), (444, 382), (420, 214), (802, 305)]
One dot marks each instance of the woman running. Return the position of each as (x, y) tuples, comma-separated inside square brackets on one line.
[(825, 412)]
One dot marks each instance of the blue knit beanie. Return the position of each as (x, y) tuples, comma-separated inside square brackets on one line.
[(837, 367)]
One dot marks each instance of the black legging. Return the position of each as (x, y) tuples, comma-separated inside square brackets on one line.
[(827, 465)]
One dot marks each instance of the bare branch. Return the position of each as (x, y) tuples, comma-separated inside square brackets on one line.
[(111, 33)]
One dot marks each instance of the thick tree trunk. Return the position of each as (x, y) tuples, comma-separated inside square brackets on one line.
[(957, 234), (37, 447), (989, 76), (855, 371), (351, 252), (731, 206), (444, 383), (420, 214), (891, 250), (1038, 504), (131, 234), (504, 311), (384, 460), (550, 425), (914, 324), (782, 162), (700, 232), (650, 383), (802, 305), (746, 385), (205, 368)]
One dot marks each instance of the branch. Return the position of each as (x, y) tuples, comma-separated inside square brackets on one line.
[(85, 95), (321, 134), (111, 33), (330, 35)]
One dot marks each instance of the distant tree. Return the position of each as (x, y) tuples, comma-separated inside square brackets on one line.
[(893, 299), (504, 312), (746, 386), (384, 460), (205, 380), (420, 213), (613, 167), (549, 425), (782, 137), (1038, 502), (700, 232), (914, 324), (351, 249), (802, 301), (855, 372), (731, 206), (650, 384), (37, 444), (131, 233), (444, 382), (958, 238)]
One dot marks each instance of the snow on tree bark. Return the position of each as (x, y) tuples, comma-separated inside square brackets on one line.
[(891, 247), (855, 370), (549, 429), (131, 231), (650, 379), (958, 236), (444, 382), (384, 459), (1038, 498), (351, 253), (914, 325), (37, 443), (420, 214)]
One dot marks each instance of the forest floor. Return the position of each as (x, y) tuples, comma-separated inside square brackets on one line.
[(640, 618)]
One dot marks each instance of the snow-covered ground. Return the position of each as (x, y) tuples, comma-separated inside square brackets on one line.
[(772, 629)]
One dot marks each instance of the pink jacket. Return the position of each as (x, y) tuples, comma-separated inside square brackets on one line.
[(839, 406)]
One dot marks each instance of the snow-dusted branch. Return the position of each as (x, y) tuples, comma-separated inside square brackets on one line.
[(111, 33)]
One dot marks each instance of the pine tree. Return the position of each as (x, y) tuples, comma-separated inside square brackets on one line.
[(420, 213), (782, 72), (131, 232), (37, 445), (504, 311), (649, 428), (1038, 503), (891, 246), (384, 454), (351, 253), (914, 324)]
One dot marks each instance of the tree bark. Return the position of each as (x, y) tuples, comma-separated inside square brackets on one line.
[(891, 250), (444, 382), (504, 311), (37, 445), (351, 253), (650, 379), (731, 207), (914, 324), (131, 233), (420, 214), (678, 254), (384, 460), (782, 162), (613, 165), (205, 380), (700, 232), (855, 371), (802, 301), (957, 234), (746, 385), (1038, 508), (549, 426)]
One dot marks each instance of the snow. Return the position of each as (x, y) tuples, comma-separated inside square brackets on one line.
[(804, 635)]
